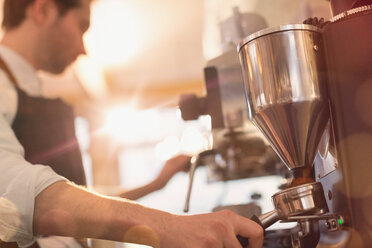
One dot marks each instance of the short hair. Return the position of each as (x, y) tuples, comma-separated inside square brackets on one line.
[(15, 10)]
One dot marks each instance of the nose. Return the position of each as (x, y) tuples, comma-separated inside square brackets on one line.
[(82, 50)]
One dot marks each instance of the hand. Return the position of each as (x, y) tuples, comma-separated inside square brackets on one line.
[(171, 167), (320, 23), (217, 230)]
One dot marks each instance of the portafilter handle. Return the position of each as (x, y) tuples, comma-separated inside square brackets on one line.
[(265, 220)]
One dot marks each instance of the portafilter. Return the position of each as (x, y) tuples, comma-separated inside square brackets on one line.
[(294, 204)]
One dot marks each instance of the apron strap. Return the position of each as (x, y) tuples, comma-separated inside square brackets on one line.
[(5, 68)]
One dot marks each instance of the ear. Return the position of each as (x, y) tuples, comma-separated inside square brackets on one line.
[(42, 12)]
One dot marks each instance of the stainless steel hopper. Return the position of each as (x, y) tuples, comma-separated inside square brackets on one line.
[(285, 79)]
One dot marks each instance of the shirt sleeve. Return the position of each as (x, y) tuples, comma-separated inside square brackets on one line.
[(20, 183)]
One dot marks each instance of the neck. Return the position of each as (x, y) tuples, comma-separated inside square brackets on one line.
[(24, 46)]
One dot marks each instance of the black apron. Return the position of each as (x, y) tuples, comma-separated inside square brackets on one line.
[(45, 128)]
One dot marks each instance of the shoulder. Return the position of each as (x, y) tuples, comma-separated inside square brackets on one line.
[(5, 82), (8, 97)]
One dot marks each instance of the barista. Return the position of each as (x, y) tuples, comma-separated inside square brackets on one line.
[(47, 35)]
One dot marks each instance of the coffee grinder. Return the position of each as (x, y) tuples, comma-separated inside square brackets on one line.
[(308, 91)]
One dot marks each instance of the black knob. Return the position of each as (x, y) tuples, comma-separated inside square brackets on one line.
[(191, 107)]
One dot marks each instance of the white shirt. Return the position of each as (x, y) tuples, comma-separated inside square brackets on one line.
[(20, 182)]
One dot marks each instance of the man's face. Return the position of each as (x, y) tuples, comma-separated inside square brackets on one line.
[(62, 41)]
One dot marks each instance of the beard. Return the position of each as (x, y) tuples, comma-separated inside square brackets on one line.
[(54, 52), (54, 67), (54, 60)]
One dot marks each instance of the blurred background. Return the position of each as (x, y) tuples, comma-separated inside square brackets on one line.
[(141, 56)]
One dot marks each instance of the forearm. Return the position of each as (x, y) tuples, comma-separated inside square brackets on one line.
[(139, 192), (171, 167), (66, 210)]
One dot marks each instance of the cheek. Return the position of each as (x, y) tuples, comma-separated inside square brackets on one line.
[(67, 48), (70, 34), (68, 37)]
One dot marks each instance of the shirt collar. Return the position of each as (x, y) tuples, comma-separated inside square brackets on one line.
[(23, 72)]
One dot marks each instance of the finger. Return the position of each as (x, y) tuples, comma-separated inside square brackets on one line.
[(186, 159), (307, 21), (232, 241), (255, 242), (251, 230), (186, 164), (315, 21), (321, 22), (325, 24)]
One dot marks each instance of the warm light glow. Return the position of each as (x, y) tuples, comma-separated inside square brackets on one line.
[(91, 75), (193, 141), (129, 126), (114, 36), (121, 124), (178, 113), (168, 148), (206, 121)]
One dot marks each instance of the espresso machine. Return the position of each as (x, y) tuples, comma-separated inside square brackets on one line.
[(309, 91), (239, 149)]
